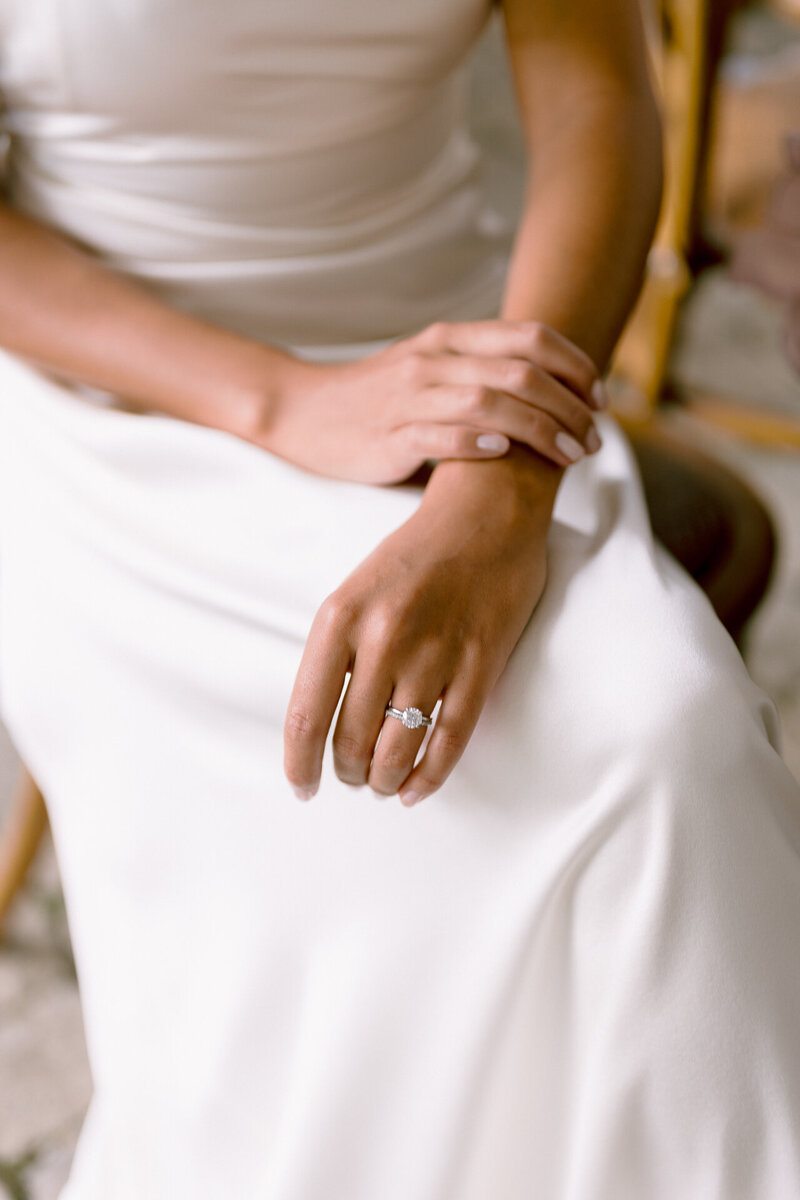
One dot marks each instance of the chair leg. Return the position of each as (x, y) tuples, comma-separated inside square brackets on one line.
[(20, 838), (751, 424)]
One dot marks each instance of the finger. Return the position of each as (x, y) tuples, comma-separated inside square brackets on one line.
[(531, 340), (461, 707), (525, 381), (423, 440), (499, 413), (360, 719), (315, 695), (562, 359), (399, 745)]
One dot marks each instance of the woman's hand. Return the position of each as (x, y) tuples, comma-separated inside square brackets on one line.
[(435, 611), (460, 391)]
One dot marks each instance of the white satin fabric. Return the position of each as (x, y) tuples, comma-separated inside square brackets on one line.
[(299, 172), (569, 975)]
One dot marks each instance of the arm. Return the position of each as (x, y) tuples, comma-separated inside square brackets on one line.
[(406, 621), (64, 310), (594, 180), (594, 176)]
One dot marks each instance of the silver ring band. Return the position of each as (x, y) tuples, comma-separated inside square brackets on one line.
[(412, 718)]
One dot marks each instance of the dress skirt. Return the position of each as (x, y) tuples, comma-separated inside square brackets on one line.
[(571, 974)]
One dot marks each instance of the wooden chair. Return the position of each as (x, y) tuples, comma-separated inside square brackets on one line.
[(677, 36), (20, 839), (686, 38), (700, 510)]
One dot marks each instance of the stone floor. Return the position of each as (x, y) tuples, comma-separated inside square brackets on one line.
[(44, 1077), (729, 342)]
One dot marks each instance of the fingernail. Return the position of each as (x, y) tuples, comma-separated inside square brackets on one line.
[(592, 441), (409, 798), (304, 793), (569, 447), (599, 394), (493, 441)]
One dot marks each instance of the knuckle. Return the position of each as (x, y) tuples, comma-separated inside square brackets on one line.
[(538, 334), (337, 612), (583, 422), (538, 424), (452, 743), (413, 435), (419, 440), (429, 782), (300, 726), (522, 377), (414, 369), (395, 758), (382, 626), (458, 441), (475, 653), (433, 337), (479, 399), (350, 749), (577, 418)]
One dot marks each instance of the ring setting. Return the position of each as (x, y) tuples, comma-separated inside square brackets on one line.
[(412, 718)]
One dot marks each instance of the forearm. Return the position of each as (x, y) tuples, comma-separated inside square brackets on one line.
[(64, 311), (591, 206)]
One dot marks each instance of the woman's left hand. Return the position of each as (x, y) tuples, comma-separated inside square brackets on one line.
[(434, 612)]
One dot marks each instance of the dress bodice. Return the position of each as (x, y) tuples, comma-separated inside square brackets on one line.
[(299, 171)]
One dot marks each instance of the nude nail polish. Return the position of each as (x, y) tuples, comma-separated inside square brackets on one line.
[(569, 447), (599, 394), (492, 441), (592, 441), (304, 793)]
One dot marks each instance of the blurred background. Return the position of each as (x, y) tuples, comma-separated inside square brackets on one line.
[(707, 383)]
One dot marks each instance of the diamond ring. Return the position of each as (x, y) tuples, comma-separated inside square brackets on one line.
[(412, 718)]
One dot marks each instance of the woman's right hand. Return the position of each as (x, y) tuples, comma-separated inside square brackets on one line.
[(456, 390)]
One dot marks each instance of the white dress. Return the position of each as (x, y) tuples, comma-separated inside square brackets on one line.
[(572, 974)]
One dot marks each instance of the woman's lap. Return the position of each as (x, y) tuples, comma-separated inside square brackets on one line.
[(569, 973)]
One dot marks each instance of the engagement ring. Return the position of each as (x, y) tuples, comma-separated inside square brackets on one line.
[(412, 718)]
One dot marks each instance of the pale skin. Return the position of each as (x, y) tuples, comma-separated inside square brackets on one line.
[(436, 610)]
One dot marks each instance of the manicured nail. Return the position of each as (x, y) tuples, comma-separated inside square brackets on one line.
[(599, 394), (409, 798), (592, 440), (495, 442), (569, 447), (304, 793)]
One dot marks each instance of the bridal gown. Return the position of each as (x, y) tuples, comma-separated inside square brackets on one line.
[(571, 974)]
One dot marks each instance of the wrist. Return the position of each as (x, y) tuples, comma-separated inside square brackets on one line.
[(515, 491), (261, 380)]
